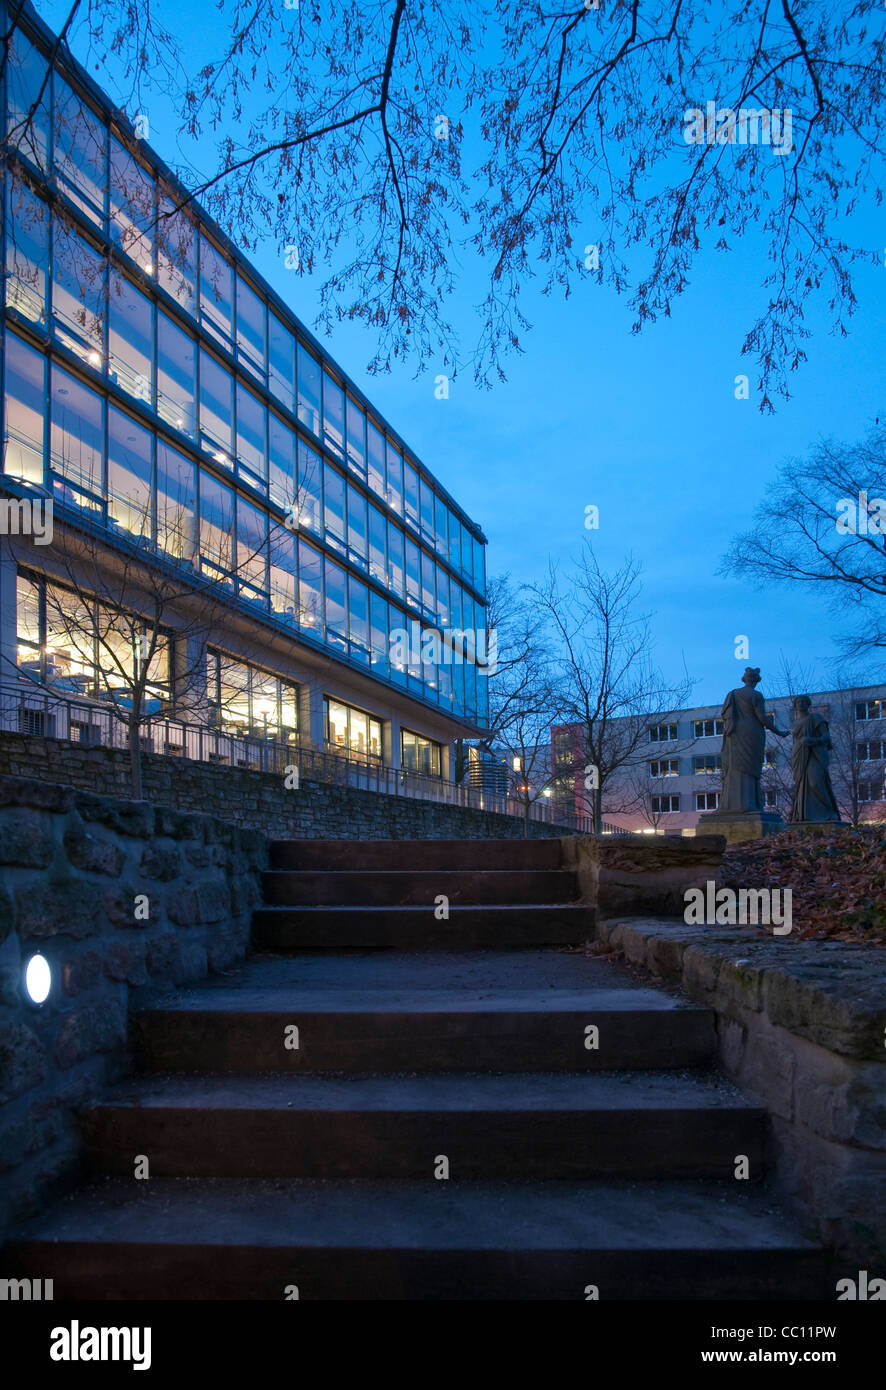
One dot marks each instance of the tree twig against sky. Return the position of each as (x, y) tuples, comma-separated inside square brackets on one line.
[(401, 145)]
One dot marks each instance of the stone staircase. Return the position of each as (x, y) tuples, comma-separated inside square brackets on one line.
[(391, 1103)]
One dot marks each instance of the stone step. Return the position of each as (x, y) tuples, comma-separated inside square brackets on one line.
[(508, 1011), (228, 1239), (417, 928), (418, 887), (415, 854), (634, 1125)]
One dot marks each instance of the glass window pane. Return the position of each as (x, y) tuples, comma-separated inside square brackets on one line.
[(427, 511), (310, 489), (77, 438), (443, 596), (410, 494), (356, 524), (336, 724), (378, 635), (216, 292), (395, 480), (251, 428), (177, 255), (27, 251), (216, 528), (25, 411), (216, 409), (78, 295), (132, 207), (130, 339), (251, 332), (80, 151), (358, 619), (413, 572), (28, 636), (70, 641), (130, 474), (375, 453), (308, 390), (336, 614), (396, 559), (377, 547), (176, 496), (358, 733), (334, 511), (281, 467), (428, 597), (283, 573), (333, 415), (252, 550), (176, 376), (441, 533), (398, 648), (281, 362), (479, 565), (356, 438), (454, 542), (25, 72), (310, 589)]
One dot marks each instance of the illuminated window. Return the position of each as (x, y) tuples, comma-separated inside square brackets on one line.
[(419, 754), (352, 731), (24, 416)]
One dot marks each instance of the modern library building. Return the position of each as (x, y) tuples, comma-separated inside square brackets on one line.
[(227, 508)]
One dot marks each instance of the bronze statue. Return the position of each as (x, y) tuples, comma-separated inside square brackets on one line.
[(814, 798), (745, 722)]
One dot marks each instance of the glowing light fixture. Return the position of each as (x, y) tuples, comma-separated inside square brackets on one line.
[(38, 979)]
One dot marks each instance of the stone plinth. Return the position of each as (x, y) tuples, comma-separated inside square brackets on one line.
[(642, 873), (819, 826), (740, 825)]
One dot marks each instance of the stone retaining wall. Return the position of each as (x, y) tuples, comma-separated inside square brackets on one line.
[(258, 800), (801, 1028), (117, 895)]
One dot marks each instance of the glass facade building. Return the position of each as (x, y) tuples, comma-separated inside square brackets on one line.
[(159, 391)]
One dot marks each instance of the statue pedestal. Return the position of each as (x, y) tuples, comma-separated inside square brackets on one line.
[(818, 826), (740, 825)]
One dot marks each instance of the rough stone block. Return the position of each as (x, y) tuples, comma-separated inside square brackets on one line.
[(56, 909), (93, 854), (90, 1029)]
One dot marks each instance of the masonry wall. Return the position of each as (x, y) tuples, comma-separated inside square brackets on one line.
[(258, 800), (119, 896)]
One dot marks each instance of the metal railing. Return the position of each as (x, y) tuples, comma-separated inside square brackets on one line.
[(99, 723)]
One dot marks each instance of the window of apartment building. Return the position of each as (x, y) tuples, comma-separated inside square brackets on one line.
[(80, 149), (706, 728), (310, 489), (309, 387), (872, 751), (282, 466), (394, 475), (252, 334), (176, 376), (351, 730), (28, 224), (77, 437), (333, 415), (177, 254), (707, 764), (707, 801), (418, 754), (24, 413), (26, 74), (78, 295), (665, 805), (252, 438), (244, 700), (130, 474), (770, 759), (664, 767), (132, 207), (281, 364), (871, 791), (662, 733), (375, 459), (870, 709), (216, 409), (310, 590), (356, 438), (130, 339), (770, 798), (216, 292), (176, 502)]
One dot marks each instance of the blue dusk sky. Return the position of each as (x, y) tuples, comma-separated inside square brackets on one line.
[(646, 428)]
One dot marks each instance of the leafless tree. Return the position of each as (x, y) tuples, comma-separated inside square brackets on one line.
[(611, 690), (388, 142)]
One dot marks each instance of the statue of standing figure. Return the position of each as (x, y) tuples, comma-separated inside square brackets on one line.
[(814, 798), (745, 723)]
